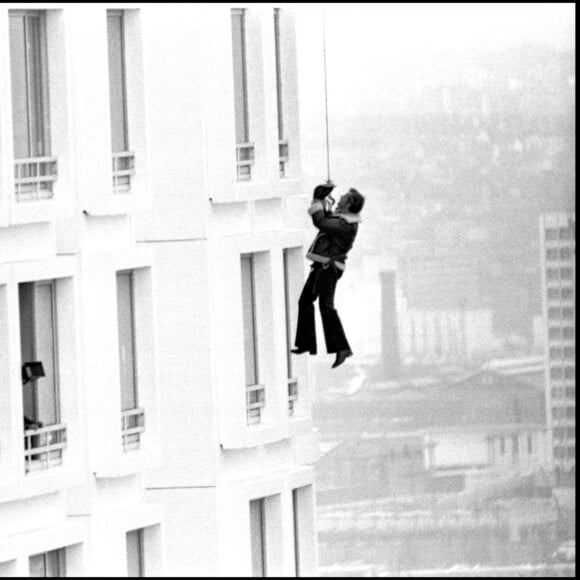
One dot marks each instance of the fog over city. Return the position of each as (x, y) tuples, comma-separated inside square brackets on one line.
[(447, 441)]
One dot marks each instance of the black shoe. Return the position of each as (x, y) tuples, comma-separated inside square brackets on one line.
[(341, 356), (301, 351)]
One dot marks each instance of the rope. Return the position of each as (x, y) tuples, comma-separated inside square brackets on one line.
[(328, 180)]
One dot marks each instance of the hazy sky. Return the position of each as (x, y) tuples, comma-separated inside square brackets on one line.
[(365, 43)]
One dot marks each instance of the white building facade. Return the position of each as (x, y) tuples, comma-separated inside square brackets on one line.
[(152, 232), (558, 246)]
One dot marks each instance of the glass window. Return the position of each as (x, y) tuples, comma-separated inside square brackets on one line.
[(126, 327), (556, 373), (555, 352), (502, 445), (570, 412), (566, 253), (554, 313), (249, 320), (569, 352), (287, 311), (240, 75), (572, 452), (551, 234), (567, 293), (296, 521), (552, 254), (555, 332), (569, 332), (552, 274), (566, 273), (117, 81), (553, 293), (568, 313), (48, 564), (278, 73), (29, 78), (135, 554), (530, 444), (38, 343), (565, 233), (571, 392), (258, 536), (570, 372), (515, 444)]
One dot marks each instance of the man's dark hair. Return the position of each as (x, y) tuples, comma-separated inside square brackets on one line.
[(356, 200)]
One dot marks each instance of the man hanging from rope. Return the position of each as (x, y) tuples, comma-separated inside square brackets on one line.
[(328, 252)]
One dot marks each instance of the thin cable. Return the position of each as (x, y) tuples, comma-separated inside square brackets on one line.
[(325, 96)]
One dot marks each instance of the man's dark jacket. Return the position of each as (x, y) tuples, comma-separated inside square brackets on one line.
[(336, 235)]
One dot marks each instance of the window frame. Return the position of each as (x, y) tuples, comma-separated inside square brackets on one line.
[(258, 552), (60, 562)]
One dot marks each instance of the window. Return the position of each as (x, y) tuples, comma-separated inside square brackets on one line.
[(135, 554), (570, 412), (552, 254), (572, 452), (123, 158), (556, 373), (255, 394), (559, 433), (565, 254), (516, 444), (555, 352), (40, 389), (554, 313), (296, 521), (530, 444), (48, 564), (567, 293), (569, 352), (551, 234), (571, 432), (244, 149), (552, 274), (560, 452), (566, 273), (258, 536), (569, 332), (502, 445), (282, 143), (565, 233), (555, 333), (570, 372), (292, 382), (34, 168), (132, 415), (553, 294), (568, 313), (570, 392)]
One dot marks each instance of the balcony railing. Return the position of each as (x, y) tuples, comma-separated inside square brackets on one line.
[(244, 160), (255, 402), (292, 394), (34, 178), (123, 170), (283, 156), (43, 447), (133, 425)]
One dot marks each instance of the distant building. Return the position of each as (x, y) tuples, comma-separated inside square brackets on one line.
[(514, 448), (558, 258)]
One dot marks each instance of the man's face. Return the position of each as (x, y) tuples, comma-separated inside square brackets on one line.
[(343, 203)]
